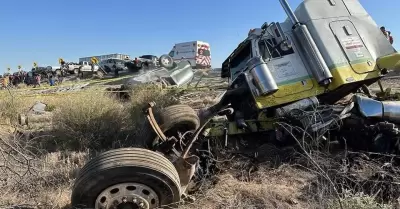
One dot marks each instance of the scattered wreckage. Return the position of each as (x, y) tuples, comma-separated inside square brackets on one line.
[(288, 81), (176, 74), (170, 74)]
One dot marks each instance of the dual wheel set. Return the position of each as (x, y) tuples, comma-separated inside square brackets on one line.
[(129, 178)]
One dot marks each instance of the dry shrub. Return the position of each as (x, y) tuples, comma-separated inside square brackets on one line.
[(48, 183), (12, 103), (36, 181), (350, 180), (90, 120), (141, 95), (10, 107)]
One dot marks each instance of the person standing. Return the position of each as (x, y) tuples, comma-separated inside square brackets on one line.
[(6, 80), (387, 34), (384, 32), (51, 81), (136, 61), (37, 80), (390, 37)]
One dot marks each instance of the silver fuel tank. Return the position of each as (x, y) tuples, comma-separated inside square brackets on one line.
[(262, 76), (370, 108)]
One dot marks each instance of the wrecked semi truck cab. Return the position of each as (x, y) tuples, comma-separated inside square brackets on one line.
[(296, 72), (324, 51)]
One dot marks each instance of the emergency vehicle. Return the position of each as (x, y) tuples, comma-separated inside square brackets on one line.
[(196, 52)]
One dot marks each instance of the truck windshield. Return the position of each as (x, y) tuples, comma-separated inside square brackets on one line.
[(238, 62), (270, 49), (171, 53)]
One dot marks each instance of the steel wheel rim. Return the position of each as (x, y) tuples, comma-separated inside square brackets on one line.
[(127, 196), (165, 61)]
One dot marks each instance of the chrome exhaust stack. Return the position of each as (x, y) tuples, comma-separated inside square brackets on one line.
[(289, 12), (318, 66)]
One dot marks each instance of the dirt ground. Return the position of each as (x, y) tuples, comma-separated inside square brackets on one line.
[(38, 171)]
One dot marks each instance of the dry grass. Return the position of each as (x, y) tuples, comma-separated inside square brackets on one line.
[(41, 176), (91, 121), (48, 162), (265, 188), (36, 180)]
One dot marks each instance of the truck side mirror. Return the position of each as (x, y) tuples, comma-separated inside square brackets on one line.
[(278, 33)]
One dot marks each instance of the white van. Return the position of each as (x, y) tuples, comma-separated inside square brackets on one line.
[(196, 52)]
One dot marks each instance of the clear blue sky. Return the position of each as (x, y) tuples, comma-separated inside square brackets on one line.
[(44, 30)]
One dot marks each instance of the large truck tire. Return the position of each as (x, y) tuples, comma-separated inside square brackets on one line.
[(127, 178), (173, 119)]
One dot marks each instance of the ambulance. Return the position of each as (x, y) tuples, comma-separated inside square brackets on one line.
[(196, 52)]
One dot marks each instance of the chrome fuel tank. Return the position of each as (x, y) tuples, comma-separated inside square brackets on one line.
[(370, 108), (262, 77), (391, 111)]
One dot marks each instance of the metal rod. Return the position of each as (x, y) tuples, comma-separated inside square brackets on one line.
[(289, 12), (381, 86)]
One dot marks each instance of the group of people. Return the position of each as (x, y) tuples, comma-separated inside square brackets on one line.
[(28, 78), (9, 80), (52, 80), (387, 34)]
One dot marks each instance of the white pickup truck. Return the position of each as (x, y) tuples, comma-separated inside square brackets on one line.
[(85, 66), (71, 67)]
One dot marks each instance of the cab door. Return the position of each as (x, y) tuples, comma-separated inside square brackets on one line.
[(352, 45)]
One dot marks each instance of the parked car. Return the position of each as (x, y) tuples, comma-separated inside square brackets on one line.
[(147, 61), (113, 64), (45, 72)]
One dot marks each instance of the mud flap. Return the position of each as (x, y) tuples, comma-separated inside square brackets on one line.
[(186, 168)]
